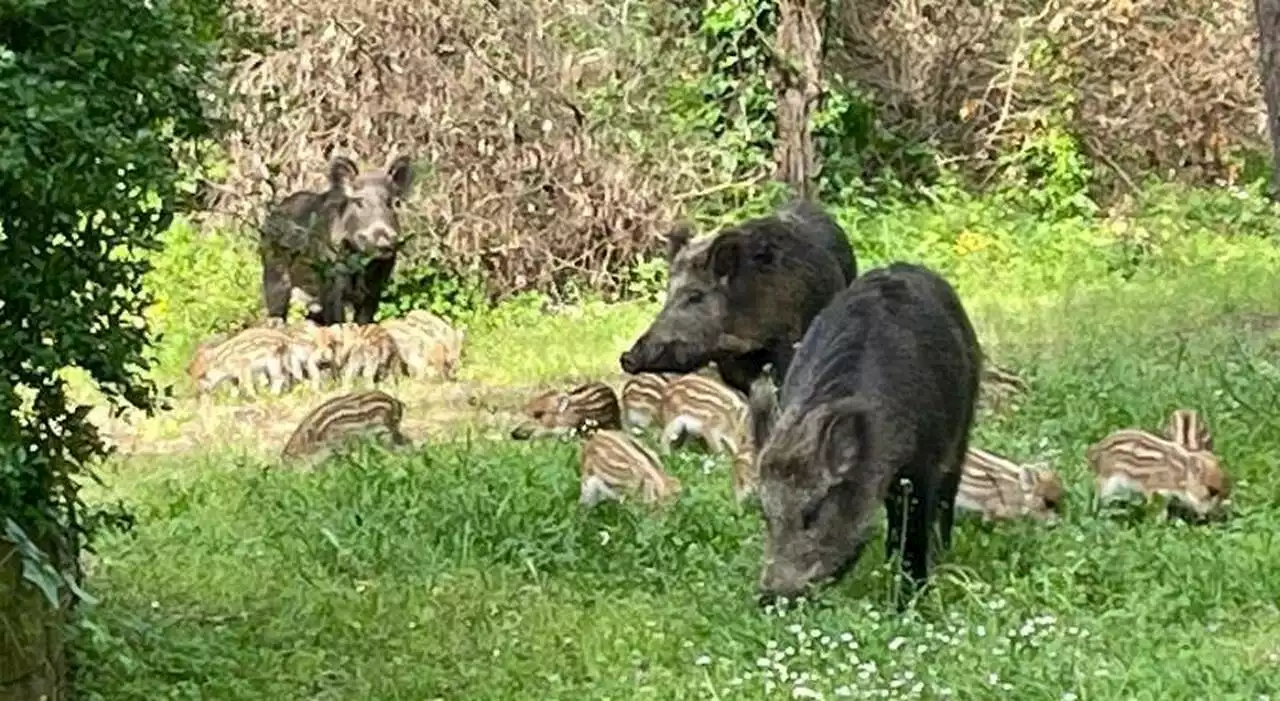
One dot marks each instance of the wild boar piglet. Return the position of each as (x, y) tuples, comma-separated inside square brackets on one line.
[(1135, 461), (998, 488), (746, 480), (614, 463), (345, 416), (1189, 429), (876, 408), (590, 406), (427, 350), (699, 406), (241, 359), (368, 351), (313, 352), (642, 399)]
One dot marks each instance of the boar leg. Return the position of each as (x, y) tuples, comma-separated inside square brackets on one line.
[(276, 287), (952, 470), (331, 301), (367, 288), (920, 501)]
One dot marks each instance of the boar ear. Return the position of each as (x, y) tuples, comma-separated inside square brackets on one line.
[(763, 406), (725, 254), (563, 404), (342, 171), (842, 437), (400, 172), (1027, 478), (677, 240)]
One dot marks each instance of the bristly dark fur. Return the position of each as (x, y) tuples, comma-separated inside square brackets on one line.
[(306, 237), (744, 298), (876, 407)]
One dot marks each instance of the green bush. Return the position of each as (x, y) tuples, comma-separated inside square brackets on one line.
[(200, 282), (96, 95)]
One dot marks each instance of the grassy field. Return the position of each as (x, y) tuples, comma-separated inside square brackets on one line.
[(464, 569)]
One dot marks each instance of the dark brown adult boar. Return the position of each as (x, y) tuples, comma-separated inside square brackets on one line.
[(876, 408), (743, 297), (338, 246)]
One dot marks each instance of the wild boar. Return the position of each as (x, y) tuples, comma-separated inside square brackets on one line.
[(315, 240), (252, 352), (876, 408), (369, 351), (642, 399), (705, 408), (1131, 460), (591, 406), (998, 488), (344, 416), (743, 297), (745, 478), (313, 352), (612, 462)]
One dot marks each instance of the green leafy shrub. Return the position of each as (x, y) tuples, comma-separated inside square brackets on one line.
[(97, 93), (200, 282)]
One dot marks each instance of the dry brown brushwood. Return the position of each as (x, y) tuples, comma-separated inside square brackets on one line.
[(493, 96), (1157, 85)]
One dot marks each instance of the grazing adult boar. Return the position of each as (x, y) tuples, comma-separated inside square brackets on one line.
[(744, 297), (311, 241), (876, 407)]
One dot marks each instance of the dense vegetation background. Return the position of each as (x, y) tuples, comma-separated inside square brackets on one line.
[(1091, 175)]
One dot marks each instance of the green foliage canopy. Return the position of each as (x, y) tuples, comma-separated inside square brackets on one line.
[(96, 95)]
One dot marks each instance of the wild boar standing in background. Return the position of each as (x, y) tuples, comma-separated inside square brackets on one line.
[(310, 240), (744, 297), (876, 408)]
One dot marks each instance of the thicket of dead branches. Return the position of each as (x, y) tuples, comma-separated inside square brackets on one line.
[(521, 182), (1168, 87), (540, 171)]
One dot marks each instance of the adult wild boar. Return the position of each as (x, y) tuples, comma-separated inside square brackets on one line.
[(881, 392), (337, 246), (743, 297)]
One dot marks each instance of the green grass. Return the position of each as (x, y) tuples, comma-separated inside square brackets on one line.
[(467, 571)]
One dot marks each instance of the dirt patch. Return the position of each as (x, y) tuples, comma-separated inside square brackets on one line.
[(432, 412)]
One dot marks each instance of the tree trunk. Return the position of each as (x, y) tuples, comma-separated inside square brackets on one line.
[(1268, 17), (799, 80), (33, 663)]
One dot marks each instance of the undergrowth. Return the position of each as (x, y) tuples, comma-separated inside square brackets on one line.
[(466, 569)]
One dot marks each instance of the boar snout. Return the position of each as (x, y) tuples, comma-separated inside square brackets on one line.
[(382, 240), (631, 360), (648, 355), (781, 579), (523, 432)]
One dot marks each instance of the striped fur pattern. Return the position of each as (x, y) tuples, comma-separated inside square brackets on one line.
[(313, 352), (642, 398), (429, 346), (999, 386), (746, 474), (368, 351), (613, 463), (557, 413), (344, 416), (998, 488), (707, 408), (1188, 428), (1131, 460), (241, 359)]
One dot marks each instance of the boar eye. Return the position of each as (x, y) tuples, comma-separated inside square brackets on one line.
[(809, 515), (693, 298)]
